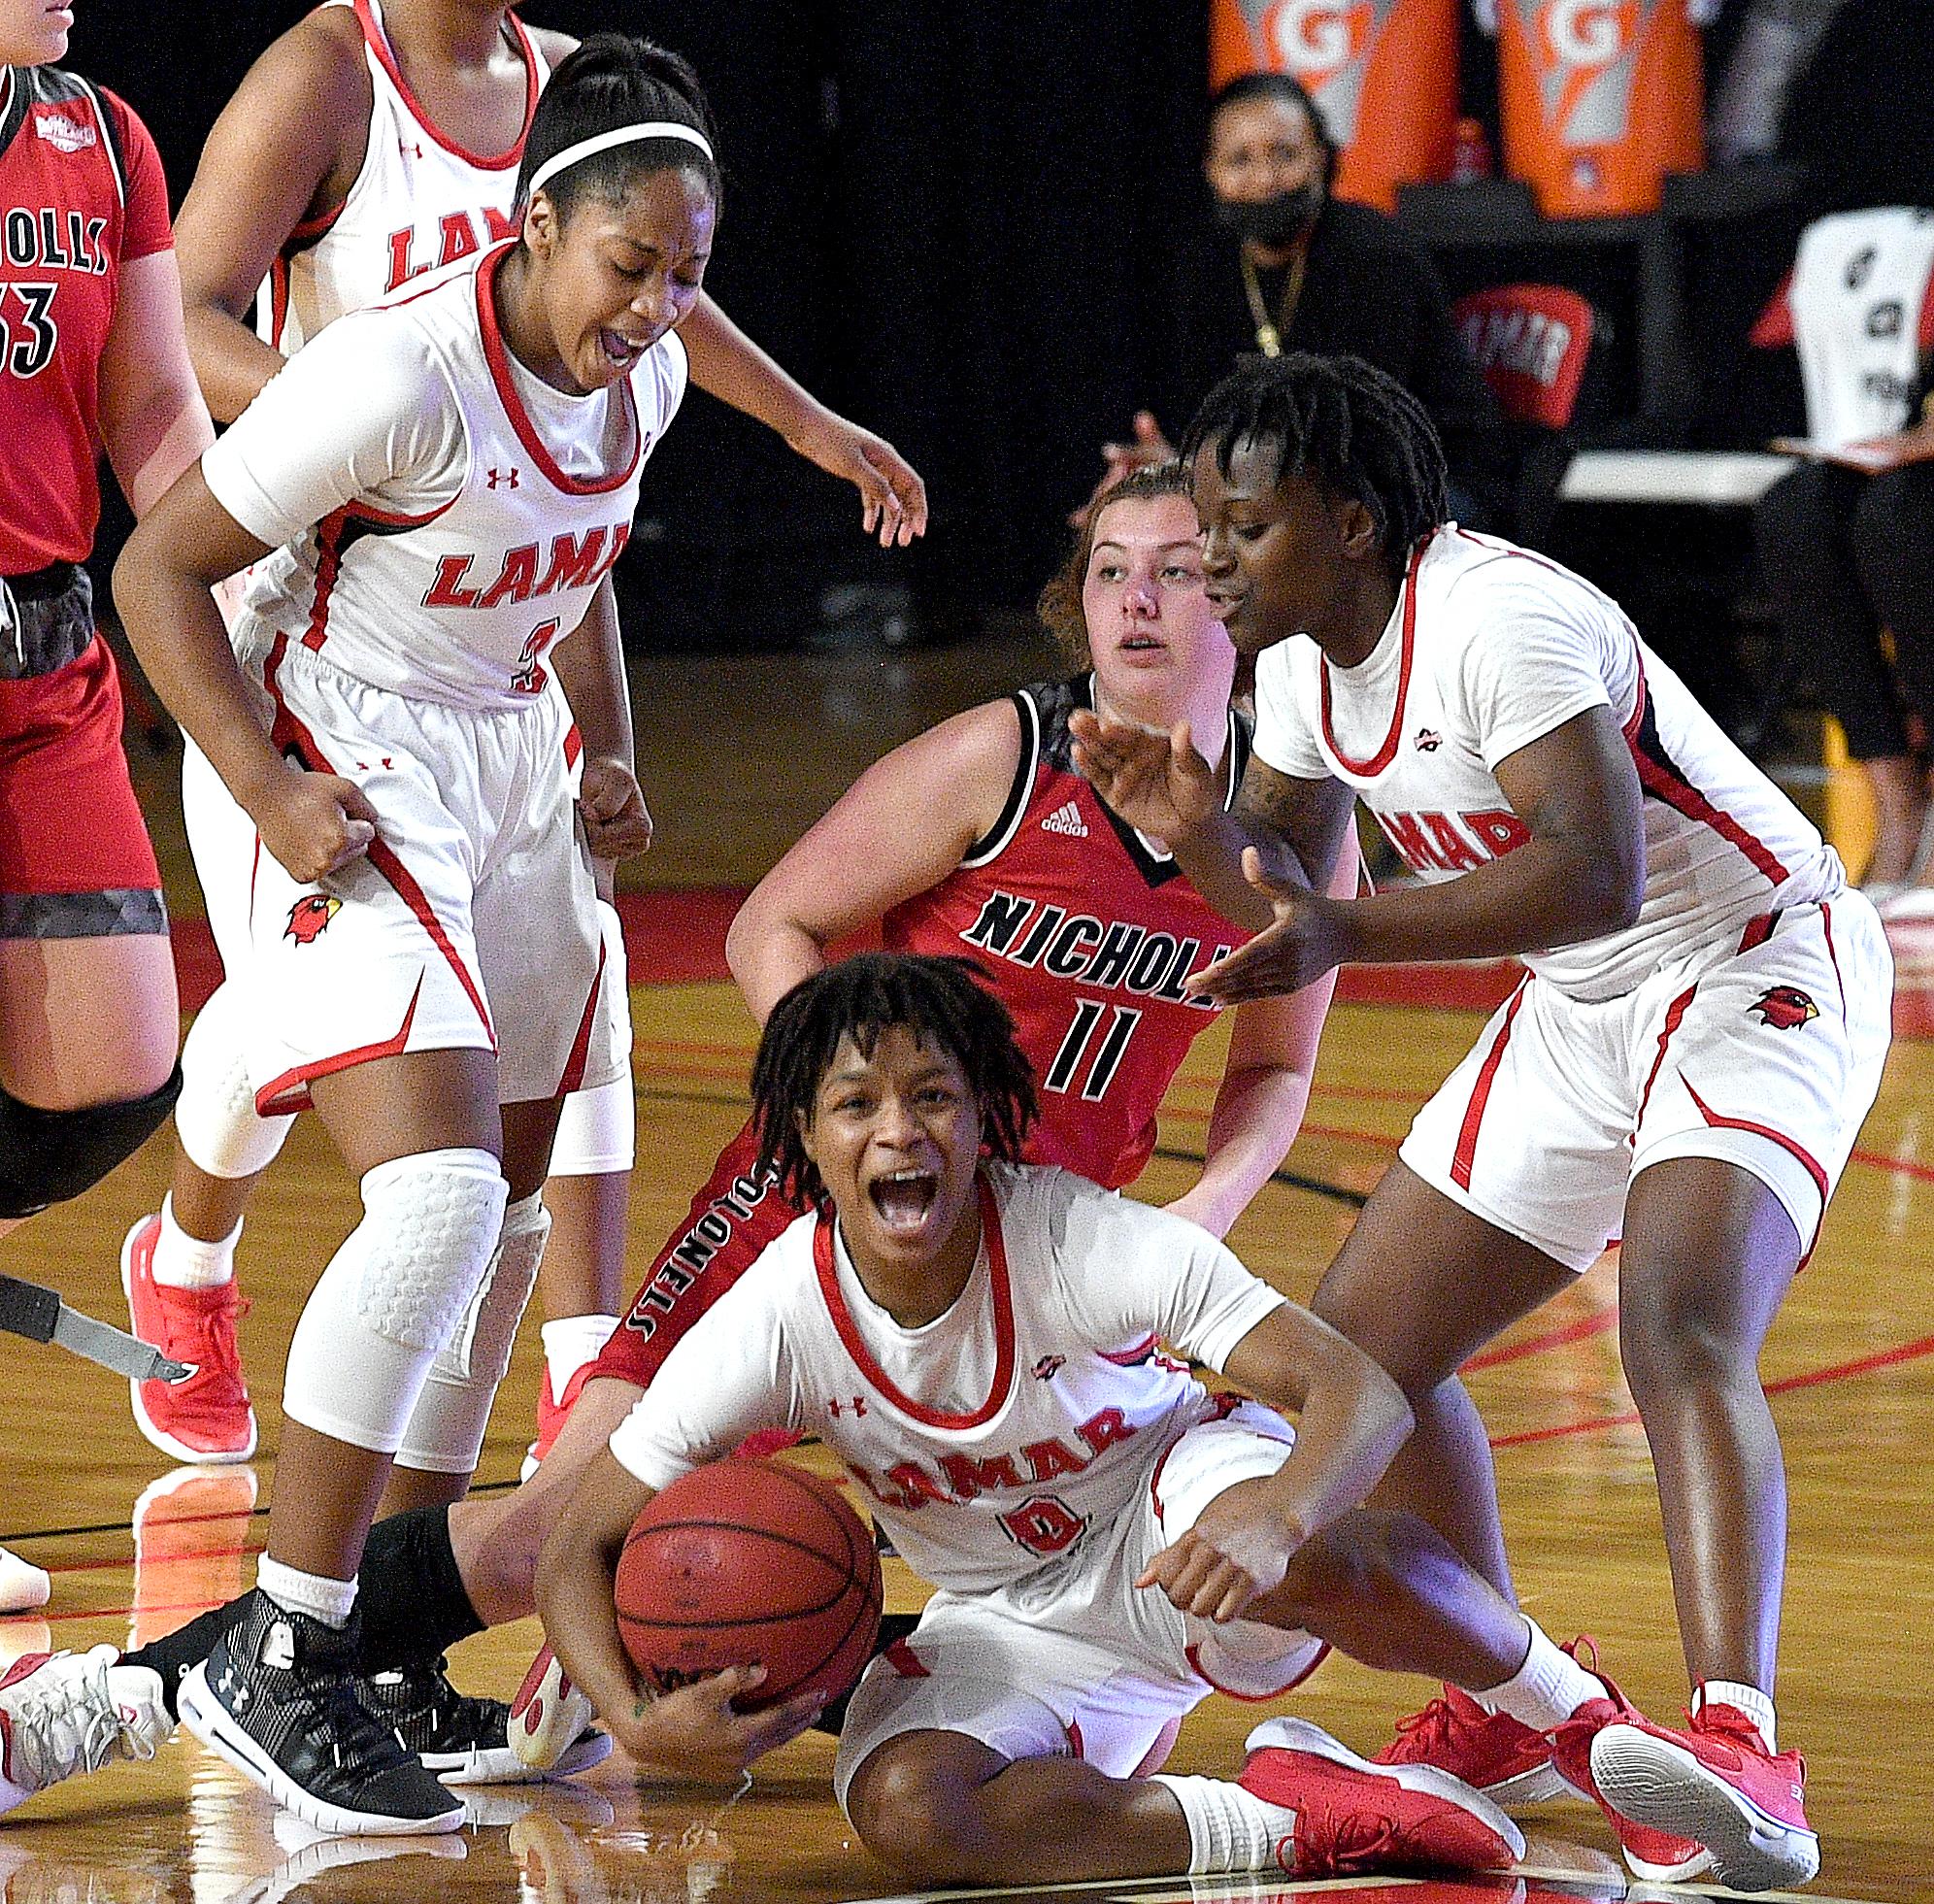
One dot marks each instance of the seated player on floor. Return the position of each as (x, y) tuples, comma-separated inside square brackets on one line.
[(997, 1318)]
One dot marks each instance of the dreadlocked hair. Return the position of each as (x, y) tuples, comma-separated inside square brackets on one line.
[(1343, 424), (1059, 603), (941, 1001)]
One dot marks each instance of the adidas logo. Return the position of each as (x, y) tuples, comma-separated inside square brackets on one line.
[(1066, 820)]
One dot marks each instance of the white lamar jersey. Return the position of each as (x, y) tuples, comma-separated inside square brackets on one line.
[(1489, 648), (996, 1438), (438, 516), (420, 201)]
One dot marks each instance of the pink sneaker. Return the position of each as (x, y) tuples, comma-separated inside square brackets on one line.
[(204, 1420), (1503, 1757), (552, 1415), (1658, 1856), (1716, 1779), (1353, 1816)]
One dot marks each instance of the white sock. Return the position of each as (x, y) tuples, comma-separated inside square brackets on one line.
[(1756, 1704), (185, 1262), (569, 1343), (316, 1594), (1229, 1828), (1547, 1690)]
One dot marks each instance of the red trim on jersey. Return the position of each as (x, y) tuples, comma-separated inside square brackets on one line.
[(905, 1661), (574, 745), (289, 1092), (1675, 1014), (1076, 1748), (1128, 1357), (1387, 752), (1659, 778), (1793, 1148), (498, 354), (1003, 1298), (1193, 1655), (1474, 1112), (1759, 930), (328, 565), (288, 729), (378, 43), (581, 1045), (1826, 925), (278, 299)]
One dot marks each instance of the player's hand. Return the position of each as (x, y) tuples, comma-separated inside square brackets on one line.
[(1149, 446), (616, 822), (1237, 1550), (893, 499), (1156, 782), (694, 1732), (1311, 936), (312, 823)]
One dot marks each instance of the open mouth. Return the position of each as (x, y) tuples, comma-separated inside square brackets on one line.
[(622, 352), (904, 1199)]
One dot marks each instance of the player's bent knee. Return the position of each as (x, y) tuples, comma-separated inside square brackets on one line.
[(48, 1156), (216, 1119), (915, 1812)]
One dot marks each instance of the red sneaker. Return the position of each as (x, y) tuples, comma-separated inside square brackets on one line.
[(552, 1415), (1353, 1816), (1508, 1762), (549, 1716), (204, 1420), (1716, 1779), (1658, 1856)]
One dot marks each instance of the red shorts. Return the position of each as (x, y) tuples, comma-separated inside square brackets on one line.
[(731, 1221), (75, 857)]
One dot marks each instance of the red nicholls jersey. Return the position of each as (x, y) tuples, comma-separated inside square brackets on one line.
[(81, 193), (1086, 930)]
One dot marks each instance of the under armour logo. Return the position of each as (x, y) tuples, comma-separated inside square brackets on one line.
[(857, 1405), (1049, 1366), (1428, 741), (506, 477), (410, 148)]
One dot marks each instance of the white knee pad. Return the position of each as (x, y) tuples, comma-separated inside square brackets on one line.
[(393, 1294), (214, 1117), (446, 1431)]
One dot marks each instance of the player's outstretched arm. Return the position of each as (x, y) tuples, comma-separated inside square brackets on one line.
[(691, 1733), (1354, 1419), (898, 830), (727, 363)]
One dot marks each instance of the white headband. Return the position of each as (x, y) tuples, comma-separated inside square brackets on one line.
[(624, 135)]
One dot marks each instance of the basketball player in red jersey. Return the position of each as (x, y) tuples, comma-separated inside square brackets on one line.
[(92, 354), (368, 146)]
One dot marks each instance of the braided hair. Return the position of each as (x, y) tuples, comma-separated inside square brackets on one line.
[(1344, 425), (941, 1001)]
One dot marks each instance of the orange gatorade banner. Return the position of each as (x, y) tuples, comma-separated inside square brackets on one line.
[(1384, 73), (1600, 100)]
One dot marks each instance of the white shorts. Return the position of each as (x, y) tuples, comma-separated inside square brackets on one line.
[(1075, 1661), (1766, 1055), (470, 924)]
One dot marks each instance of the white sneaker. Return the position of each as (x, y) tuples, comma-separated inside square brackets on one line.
[(63, 1712), (23, 1587), (549, 1715)]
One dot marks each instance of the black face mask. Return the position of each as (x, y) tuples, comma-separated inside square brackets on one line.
[(1272, 220)]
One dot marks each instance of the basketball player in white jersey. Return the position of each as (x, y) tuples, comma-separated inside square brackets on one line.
[(432, 492), (368, 146), (976, 1342), (1686, 1064)]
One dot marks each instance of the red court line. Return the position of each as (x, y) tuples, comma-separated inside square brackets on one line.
[(1905, 1351), (157, 1560), (1587, 1327)]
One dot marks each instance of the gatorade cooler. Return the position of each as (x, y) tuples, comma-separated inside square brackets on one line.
[(1383, 72), (1599, 100)]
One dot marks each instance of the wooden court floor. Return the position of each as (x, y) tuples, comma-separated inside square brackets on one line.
[(135, 1549)]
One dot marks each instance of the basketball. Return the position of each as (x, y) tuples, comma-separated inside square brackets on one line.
[(749, 1563)]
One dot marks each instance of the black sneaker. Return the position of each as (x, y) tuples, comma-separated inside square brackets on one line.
[(276, 1700), (461, 1739)]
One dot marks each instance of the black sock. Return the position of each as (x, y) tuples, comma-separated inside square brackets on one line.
[(892, 1626), (185, 1648), (411, 1600)]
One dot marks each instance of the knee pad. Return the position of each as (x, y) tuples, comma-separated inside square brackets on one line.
[(48, 1157), (393, 1294), (446, 1429), (597, 1132), (215, 1119)]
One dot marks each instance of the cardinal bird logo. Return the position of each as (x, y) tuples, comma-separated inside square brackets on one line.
[(1783, 1007), (308, 918)]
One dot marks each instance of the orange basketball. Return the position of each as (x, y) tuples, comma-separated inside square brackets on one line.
[(749, 1563)]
